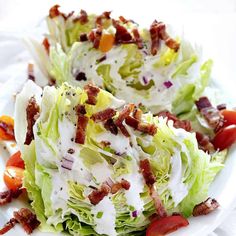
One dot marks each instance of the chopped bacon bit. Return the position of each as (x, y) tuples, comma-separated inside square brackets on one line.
[(134, 123), (210, 113), (6, 128), (81, 76), (160, 209), (205, 207), (150, 129), (6, 196), (95, 37), (125, 184), (92, 92), (171, 43), (54, 12), (221, 107), (103, 115), (123, 130), (32, 112), (137, 38), (97, 195), (105, 15), (31, 72), (124, 113), (27, 220), (110, 126), (117, 186), (8, 226), (122, 35), (146, 171), (204, 142), (155, 40), (81, 124), (137, 114), (83, 18), (83, 37), (46, 45), (105, 144), (183, 124)]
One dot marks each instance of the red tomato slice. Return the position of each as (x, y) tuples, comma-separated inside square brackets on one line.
[(229, 117), (225, 137), (13, 177), (16, 160), (166, 225)]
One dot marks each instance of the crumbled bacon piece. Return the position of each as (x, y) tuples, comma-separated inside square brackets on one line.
[(137, 38), (104, 15), (210, 113), (123, 130), (124, 113), (81, 125), (110, 126), (103, 115), (155, 40), (124, 184), (146, 171), (95, 37), (6, 196), (122, 35), (31, 72), (177, 123), (92, 92), (83, 18), (46, 45), (171, 43), (137, 114), (32, 112), (97, 195), (27, 220), (8, 226), (205, 207), (103, 58), (54, 12), (160, 209), (123, 20), (150, 129), (204, 142)]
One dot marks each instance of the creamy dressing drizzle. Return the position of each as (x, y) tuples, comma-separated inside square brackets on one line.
[(105, 224)]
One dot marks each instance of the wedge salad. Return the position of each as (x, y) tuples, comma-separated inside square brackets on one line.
[(123, 140)]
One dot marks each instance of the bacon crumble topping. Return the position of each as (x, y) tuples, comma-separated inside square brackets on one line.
[(105, 15), (46, 45), (204, 142), (210, 113), (6, 196), (137, 38), (31, 72), (26, 219), (177, 123), (83, 18), (81, 124), (122, 35), (32, 112), (205, 207), (54, 12), (111, 126), (97, 195), (146, 171), (124, 184), (92, 92), (104, 115)]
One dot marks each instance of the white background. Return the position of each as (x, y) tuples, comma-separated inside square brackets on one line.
[(211, 23)]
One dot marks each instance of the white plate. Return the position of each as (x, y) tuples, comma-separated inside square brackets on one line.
[(14, 65)]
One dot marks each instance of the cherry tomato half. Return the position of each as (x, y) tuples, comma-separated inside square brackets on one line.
[(229, 117), (225, 137), (166, 225), (6, 128), (16, 160), (13, 177)]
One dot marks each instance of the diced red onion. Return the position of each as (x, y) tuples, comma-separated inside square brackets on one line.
[(109, 182), (168, 84), (67, 163), (135, 213)]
